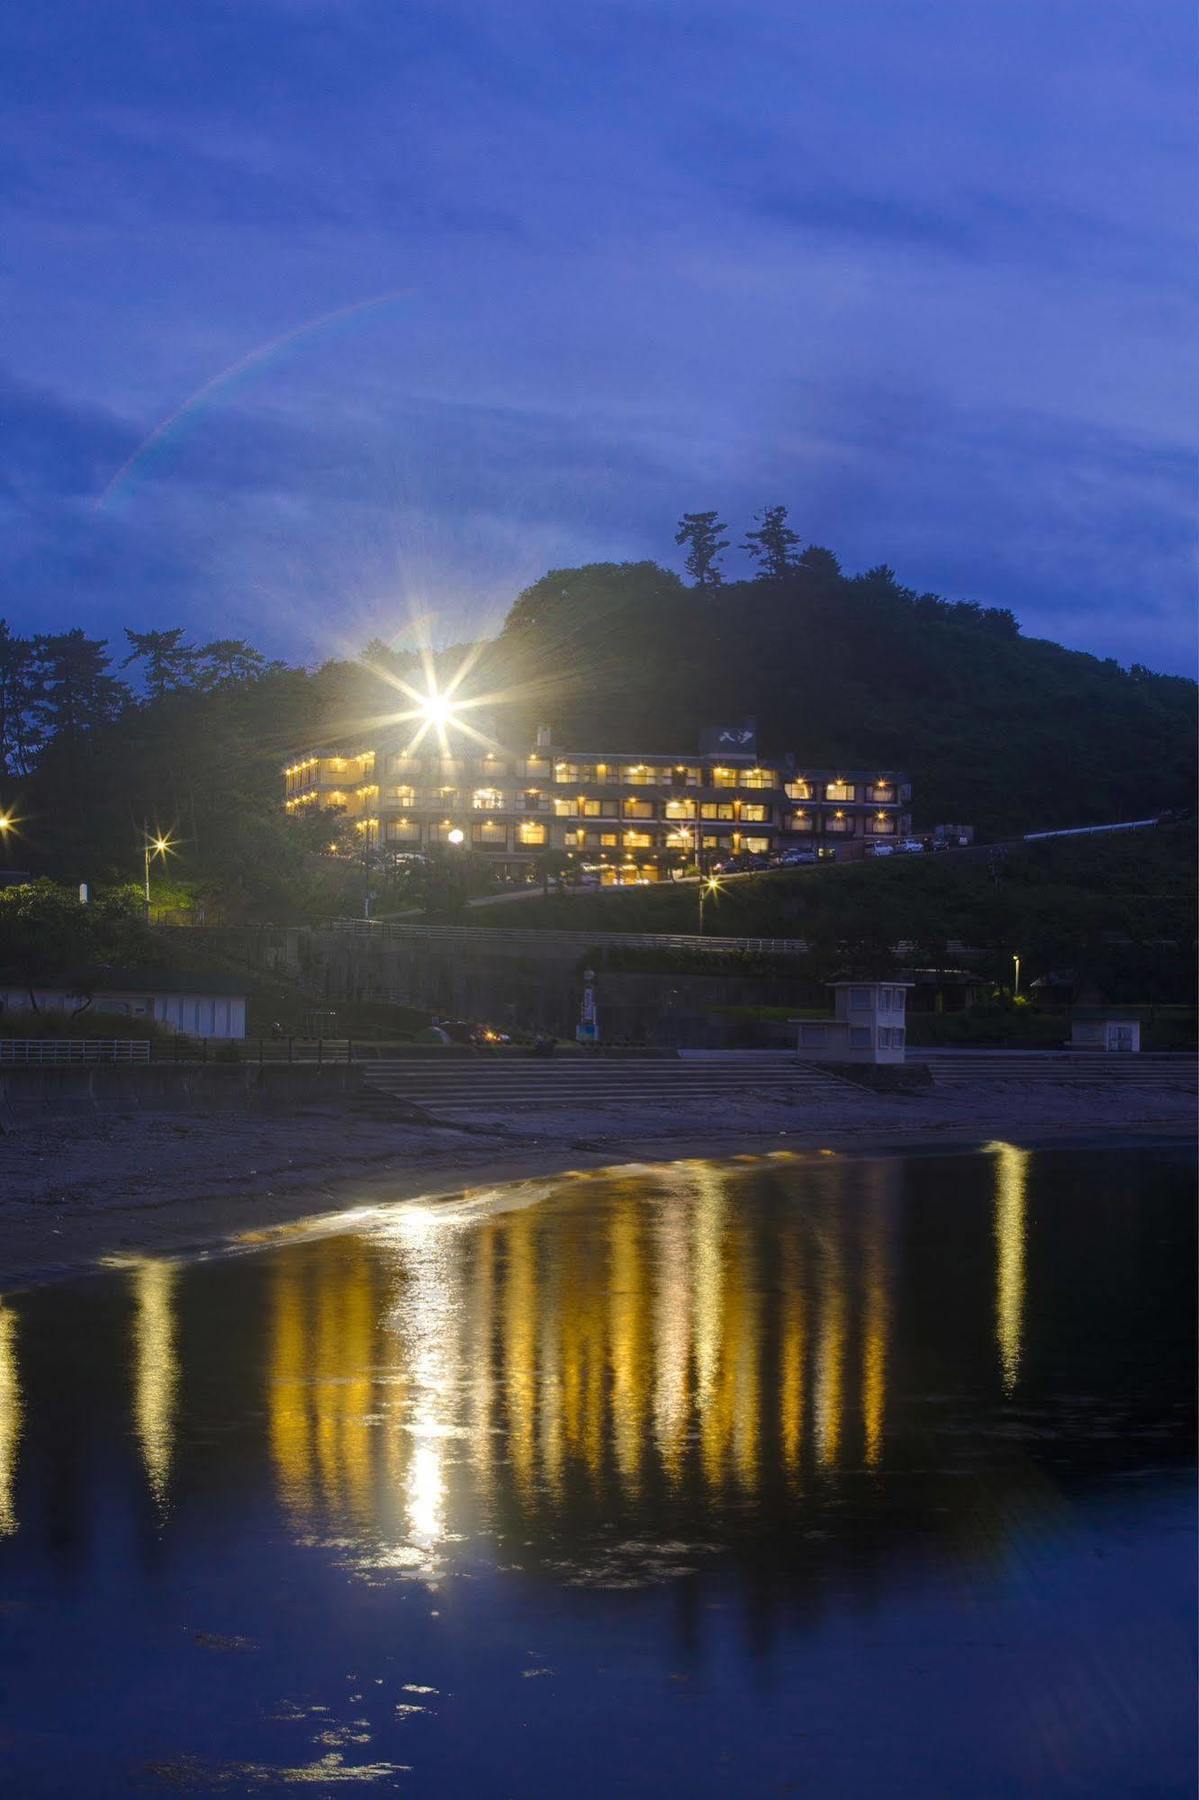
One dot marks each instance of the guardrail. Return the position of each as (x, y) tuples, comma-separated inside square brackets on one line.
[(56, 1052), (671, 940)]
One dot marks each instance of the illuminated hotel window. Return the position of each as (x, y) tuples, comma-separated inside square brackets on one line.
[(638, 809), (600, 809), (757, 846), (881, 792), (638, 840), (837, 822), (637, 775), (800, 790), (839, 790), (680, 809), (529, 832), (725, 778), (565, 809), (489, 831), (717, 809), (710, 842), (883, 825), (538, 768), (609, 840), (487, 800), (800, 821), (754, 813), (759, 778)]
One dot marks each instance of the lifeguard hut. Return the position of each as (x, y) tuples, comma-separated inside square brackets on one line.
[(869, 1025)]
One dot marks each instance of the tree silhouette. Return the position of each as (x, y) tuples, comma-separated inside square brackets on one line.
[(773, 545), (702, 532)]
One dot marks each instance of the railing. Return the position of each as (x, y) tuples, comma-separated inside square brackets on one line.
[(487, 934), (41, 1052)]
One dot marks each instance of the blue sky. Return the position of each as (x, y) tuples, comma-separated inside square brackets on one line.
[(921, 271)]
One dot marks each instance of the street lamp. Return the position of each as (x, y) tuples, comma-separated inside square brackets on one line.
[(158, 845), (1016, 965), (709, 884)]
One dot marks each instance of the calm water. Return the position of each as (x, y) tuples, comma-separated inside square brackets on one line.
[(814, 1476)]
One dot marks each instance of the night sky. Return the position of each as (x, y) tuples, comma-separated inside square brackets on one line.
[(921, 271)]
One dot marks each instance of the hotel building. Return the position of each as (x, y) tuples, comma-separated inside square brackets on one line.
[(629, 815)]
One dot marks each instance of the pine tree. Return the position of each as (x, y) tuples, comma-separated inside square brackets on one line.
[(773, 545), (702, 532)]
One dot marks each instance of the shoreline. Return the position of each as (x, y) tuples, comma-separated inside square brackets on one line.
[(83, 1193)]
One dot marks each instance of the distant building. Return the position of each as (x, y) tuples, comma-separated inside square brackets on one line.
[(197, 1005), (627, 814), (868, 1025)]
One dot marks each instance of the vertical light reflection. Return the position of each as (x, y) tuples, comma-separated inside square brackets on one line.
[(11, 1418), (830, 1346), (875, 1322), (549, 1367), (288, 1396), (155, 1369), (520, 1347), (672, 1331), (482, 1389), (792, 1358), (708, 1261), (627, 1342), (745, 1364), (426, 1313), (1011, 1224)]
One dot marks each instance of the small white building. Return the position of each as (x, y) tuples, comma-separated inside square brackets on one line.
[(1106, 1034), (869, 1025), (198, 1005)]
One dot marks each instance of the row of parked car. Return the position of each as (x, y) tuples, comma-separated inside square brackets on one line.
[(746, 862)]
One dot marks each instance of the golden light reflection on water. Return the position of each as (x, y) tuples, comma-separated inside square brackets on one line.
[(625, 1335), (10, 1418), (155, 1369), (1011, 1225)]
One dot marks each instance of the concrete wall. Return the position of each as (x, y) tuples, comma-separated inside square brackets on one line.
[(511, 984)]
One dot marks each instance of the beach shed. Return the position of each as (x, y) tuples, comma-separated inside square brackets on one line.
[(1121, 1035), (869, 1025), (203, 1006)]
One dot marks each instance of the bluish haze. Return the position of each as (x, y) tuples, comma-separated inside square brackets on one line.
[(921, 271)]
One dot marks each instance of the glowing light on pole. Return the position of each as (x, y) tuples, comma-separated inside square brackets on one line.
[(709, 884), (158, 845)]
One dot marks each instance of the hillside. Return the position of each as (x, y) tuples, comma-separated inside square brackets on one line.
[(1119, 911), (1005, 732)]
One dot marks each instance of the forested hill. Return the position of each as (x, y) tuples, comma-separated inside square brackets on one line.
[(1005, 732), (1002, 732)]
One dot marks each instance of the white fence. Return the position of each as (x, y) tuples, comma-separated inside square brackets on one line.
[(22, 1052)]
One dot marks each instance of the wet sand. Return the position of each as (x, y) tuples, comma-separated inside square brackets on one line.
[(75, 1192)]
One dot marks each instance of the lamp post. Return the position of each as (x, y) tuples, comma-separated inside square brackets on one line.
[(152, 846), (1016, 966), (708, 885)]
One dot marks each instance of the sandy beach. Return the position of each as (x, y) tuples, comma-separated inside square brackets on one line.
[(77, 1191)]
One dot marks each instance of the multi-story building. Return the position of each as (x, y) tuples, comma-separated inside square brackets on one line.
[(630, 815)]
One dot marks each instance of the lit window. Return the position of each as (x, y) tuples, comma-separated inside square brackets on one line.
[(487, 800), (717, 809), (757, 846), (566, 809), (840, 790), (638, 840), (638, 809), (680, 809), (754, 813), (490, 832), (530, 832), (801, 821)]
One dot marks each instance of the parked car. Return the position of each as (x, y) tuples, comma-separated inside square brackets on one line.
[(794, 859), (882, 849), (910, 847)]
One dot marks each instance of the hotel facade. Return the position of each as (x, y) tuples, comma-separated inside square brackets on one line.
[(626, 815)]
